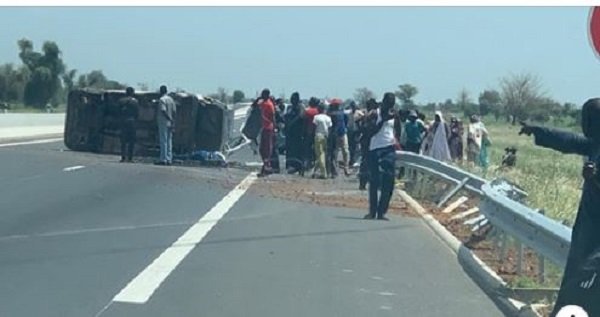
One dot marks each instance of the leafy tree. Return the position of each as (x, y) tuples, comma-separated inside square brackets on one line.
[(406, 94), (362, 95), (68, 79), (490, 102), (431, 106), (46, 69), (447, 106), (465, 104), (96, 79), (12, 82), (238, 96)]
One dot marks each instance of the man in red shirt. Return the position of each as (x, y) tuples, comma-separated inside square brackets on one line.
[(267, 137)]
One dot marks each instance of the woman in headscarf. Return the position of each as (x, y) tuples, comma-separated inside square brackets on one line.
[(581, 279), (455, 142), (294, 136), (439, 132), (475, 138)]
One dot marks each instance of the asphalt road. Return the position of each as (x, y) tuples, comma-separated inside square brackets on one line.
[(83, 235)]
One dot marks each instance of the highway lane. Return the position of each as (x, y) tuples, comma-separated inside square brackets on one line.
[(71, 240)]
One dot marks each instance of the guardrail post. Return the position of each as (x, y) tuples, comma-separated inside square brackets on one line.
[(520, 258), (503, 246), (541, 262)]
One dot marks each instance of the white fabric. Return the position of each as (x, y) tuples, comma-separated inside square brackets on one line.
[(322, 123), (439, 149), (385, 136), (476, 132)]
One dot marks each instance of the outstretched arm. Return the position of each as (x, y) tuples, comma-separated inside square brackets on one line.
[(562, 141)]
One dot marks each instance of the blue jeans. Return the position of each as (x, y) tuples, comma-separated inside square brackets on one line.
[(382, 169), (165, 136)]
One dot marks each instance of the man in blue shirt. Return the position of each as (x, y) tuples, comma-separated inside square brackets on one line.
[(338, 137)]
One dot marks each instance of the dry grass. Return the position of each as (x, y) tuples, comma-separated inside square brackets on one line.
[(551, 179)]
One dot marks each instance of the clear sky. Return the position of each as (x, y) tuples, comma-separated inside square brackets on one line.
[(319, 51)]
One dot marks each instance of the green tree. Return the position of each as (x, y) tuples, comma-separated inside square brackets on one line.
[(448, 106), (12, 82), (46, 69), (238, 96), (97, 80), (490, 102), (406, 94), (361, 95), (68, 79)]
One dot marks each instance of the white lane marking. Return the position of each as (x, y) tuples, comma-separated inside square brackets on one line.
[(141, 288), (73, 168), (387, 294), (31, 142)]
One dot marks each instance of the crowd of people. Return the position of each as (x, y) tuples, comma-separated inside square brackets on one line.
[(367, 136), (312, 137)]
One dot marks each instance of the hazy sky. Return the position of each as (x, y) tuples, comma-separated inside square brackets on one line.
[(319, 51)]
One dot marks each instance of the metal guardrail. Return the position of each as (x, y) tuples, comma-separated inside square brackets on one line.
[(423, 162), (547, 237)]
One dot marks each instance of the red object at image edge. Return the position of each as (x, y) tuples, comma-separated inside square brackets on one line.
[(594, 29)]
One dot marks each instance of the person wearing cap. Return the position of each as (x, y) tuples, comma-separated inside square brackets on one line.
[(414, 130), (129, 110)]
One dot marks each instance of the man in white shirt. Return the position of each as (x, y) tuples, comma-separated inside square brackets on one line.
[(322, 124), (381, 159)]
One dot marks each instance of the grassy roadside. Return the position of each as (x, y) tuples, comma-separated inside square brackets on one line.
[(551, 179)]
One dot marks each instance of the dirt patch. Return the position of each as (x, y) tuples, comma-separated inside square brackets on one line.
[(339, 192), (487, 246)]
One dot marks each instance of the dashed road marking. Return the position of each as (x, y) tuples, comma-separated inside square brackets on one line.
[(73, 168)]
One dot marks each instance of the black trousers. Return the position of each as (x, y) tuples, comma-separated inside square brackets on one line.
[(363, 171), (353, 140), (127, 141), (413, 147), (382, 170), (293, 152), (309, 151), (331, 164)]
